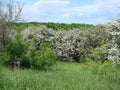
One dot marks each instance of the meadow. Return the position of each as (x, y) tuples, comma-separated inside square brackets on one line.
[(63, 76), (57, 56)]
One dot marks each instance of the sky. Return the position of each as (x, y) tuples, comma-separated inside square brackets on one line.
[(71, 11)]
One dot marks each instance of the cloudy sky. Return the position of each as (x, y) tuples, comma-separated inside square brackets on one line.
[(71, 11)]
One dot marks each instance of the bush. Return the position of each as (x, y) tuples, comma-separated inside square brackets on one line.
[(16, 49), (14, 52), (99, 54), (76, 44), (40, 57), (97, 36), (69, 45), (43, 58), (114, 51)]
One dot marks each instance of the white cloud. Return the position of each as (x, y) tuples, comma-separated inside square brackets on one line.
[(106, 9), (97, 7), (81, 10), (47, 8), (52, 3), (58, 10), (66, 15)]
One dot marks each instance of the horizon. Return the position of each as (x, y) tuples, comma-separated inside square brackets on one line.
[(69, 11)]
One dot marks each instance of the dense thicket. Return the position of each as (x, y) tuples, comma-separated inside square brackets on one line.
[(69, 45), (45, 45), (76, 44)]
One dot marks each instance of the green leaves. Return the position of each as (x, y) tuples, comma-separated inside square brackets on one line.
[(16, 49), (99, 54), (44, 58)]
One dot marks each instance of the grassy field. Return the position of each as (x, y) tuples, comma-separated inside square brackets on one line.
[(63, 76)]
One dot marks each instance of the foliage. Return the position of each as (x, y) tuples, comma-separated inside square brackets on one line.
[(72, 45), (113, 29), (76, 44), (69, 45), (16, 49), (97, 36), (37, 51), (39, 34), (55, 26), (99, 54), (29, 57), (44, 57)]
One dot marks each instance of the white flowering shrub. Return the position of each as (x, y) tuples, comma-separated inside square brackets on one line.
[(113, 29), (40, 53), (40, 34), (97, 36), (68, 45), (37, 35), (76, 44)]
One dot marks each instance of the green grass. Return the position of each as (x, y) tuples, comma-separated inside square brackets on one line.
[(63, 76)]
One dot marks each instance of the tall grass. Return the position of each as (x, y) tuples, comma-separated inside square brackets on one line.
[(63, 76)]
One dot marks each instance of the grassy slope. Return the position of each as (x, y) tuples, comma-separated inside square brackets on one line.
[(63, 76)]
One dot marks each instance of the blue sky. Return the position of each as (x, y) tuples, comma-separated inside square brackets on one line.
[(71, 11)]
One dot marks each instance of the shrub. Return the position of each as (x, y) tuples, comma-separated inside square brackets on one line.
[(15, 51), (39, 34), (69, 45), (74, 45), (113, 29), (97, 36), (44, 57), (39, 57), (99, 54)]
